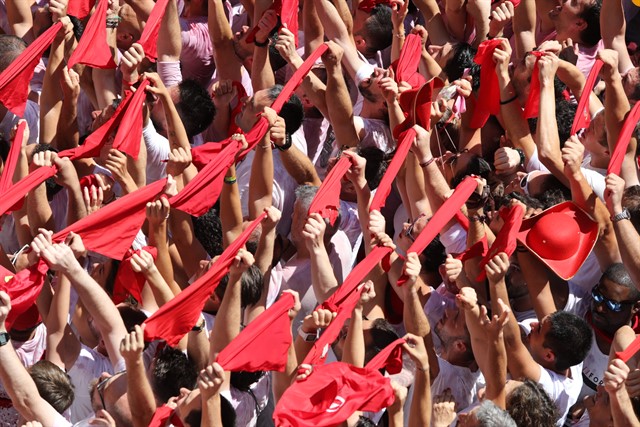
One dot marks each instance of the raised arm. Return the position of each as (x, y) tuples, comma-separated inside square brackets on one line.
[(228, 65), (354, 345), (139, 393), (420, 412), (261, 179), (322, 278), (613, 28)]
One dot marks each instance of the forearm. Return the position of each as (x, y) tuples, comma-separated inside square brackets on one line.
[(299, 167), (434, 23), (188, 246), (51, 96), (227, 65), (415, 320), (282, 380), (67, 131), (227, 325), (230, 210), (397, 42), (38, 210), (169, 37), (211, 411), (420, 412), (158, 239), (629, 244), (613, 28), (354, 345), (261, 73), (396, 115), (20, 19), (622, 409), (261, 180), (322, 278), (139, 394), (497, 374), (571, 75), (340, 109), (76, 207), (435, 185), (428, 66), (547, 133), (516, 126), (105, 86), (536, 277), (175, 129)]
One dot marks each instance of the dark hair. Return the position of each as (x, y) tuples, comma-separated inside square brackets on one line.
[(569, 338), (78, 27), (275, 59), (131, 316), (382, 334), (172, 371), (195, 108), (243, 380), (10, 48), (591, 15), (461, 58), (4, 149), (227, 414), (292, 111), (53, 384), (111, 277), (554, 195), (565, 113), (618, 274), (365, 422), (378, 29), (434, 255), (251, 286), (476, 166), (208, 230), (377, 163), (530, 405)]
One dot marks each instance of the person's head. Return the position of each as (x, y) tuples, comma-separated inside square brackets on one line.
[(109, 392), (455, 338), (410, 231), (252, 106), (594, 138), (369, 87), (189, 409), (460, 59), (530, 405), (304, 197), (172, 370), (631, 201), (10, 48), (376, 166), (129, 28), (578, 20), (208, 230), (614, 300), (560, 340), (194, 105), (53, 384), (599, 408), (376, 33), (104, 272), (251, 286), (457, 166), (488, 414), (378, 334)]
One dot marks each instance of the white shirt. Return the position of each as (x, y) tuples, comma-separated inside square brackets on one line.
[(158, 149), (88, 366), (563, 390), (463, 383)]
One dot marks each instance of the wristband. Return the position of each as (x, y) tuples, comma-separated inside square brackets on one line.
[(510, 100), (261, 44), (230, 180), (286, 145), (427, 163), (522, 157)]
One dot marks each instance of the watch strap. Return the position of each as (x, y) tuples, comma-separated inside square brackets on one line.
[(621, 216)]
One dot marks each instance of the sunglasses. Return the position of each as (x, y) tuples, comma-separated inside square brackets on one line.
[(409, 232), (614, 306), (102, 384)]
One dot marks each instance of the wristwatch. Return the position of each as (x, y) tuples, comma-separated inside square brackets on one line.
[(622, 215), (4, 338), (308, 336)]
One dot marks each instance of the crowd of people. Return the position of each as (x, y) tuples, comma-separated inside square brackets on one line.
[(319, 213)]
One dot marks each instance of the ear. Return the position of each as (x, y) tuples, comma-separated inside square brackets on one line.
[(549, 356), (635, 308), (581, 24), (460, 346)]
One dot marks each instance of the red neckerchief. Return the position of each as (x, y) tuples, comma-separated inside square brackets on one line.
[(605, 336)]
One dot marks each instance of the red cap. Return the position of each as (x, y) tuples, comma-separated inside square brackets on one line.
[(562, 237)]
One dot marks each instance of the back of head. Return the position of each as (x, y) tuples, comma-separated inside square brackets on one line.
[(529, 405), (208, 230), (631, 201), (490, 415), (53, 384), (251, 286), (227, 415), (131, 316), (10, 48), (378, 29), (376, 166), (195, 108), (292, 111), (569, 338), (461, 59), (382, 334), (172, 371)]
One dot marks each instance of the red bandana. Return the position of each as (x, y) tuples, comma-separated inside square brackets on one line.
[(532, 107), (583, 116), (149, 36), (92, 49), (80, 8), (488, 102), (626, 133), (506, 239), (23, 289), (384, 188), (128, 282), (6, 179), (327, 199)]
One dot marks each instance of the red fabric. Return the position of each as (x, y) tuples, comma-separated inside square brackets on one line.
[(441, 218), (630, 351), (264, 344), (617, 157), (327, 200), (203, 154), (333, 392), (583, 116), (389, 358), (462, 220), (128, 282), (384, 188), (532, 107), (96, 140), (92, 49), (201, 193), (242, 93), (416, 104), (356, 277), (88, 180), (409, 60), (129, 133), (506, 239), (80, 8), (13, 197), (488, 102), (318, 352), (162, 415), (23, 289), (111, 229), (149, 36), (14, 80), (478, 249), (287, 11), (178, 316), (368, 5), (6, 179), (297, 77)]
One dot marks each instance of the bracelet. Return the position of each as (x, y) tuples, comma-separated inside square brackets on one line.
[(427, 163), (230, 180), (261, 44), (287, 143), (267, 146), (399, 35), (113, 21), (522, 157), (478, 218), (509, 100)]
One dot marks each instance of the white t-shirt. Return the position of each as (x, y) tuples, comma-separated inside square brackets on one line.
[(158, 149), (463, 383), (563, 390)]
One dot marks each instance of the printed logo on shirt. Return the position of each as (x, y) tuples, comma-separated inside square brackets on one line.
[(336, 405)]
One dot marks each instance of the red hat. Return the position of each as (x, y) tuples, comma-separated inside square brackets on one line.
[(417, 104), (561, 237)]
